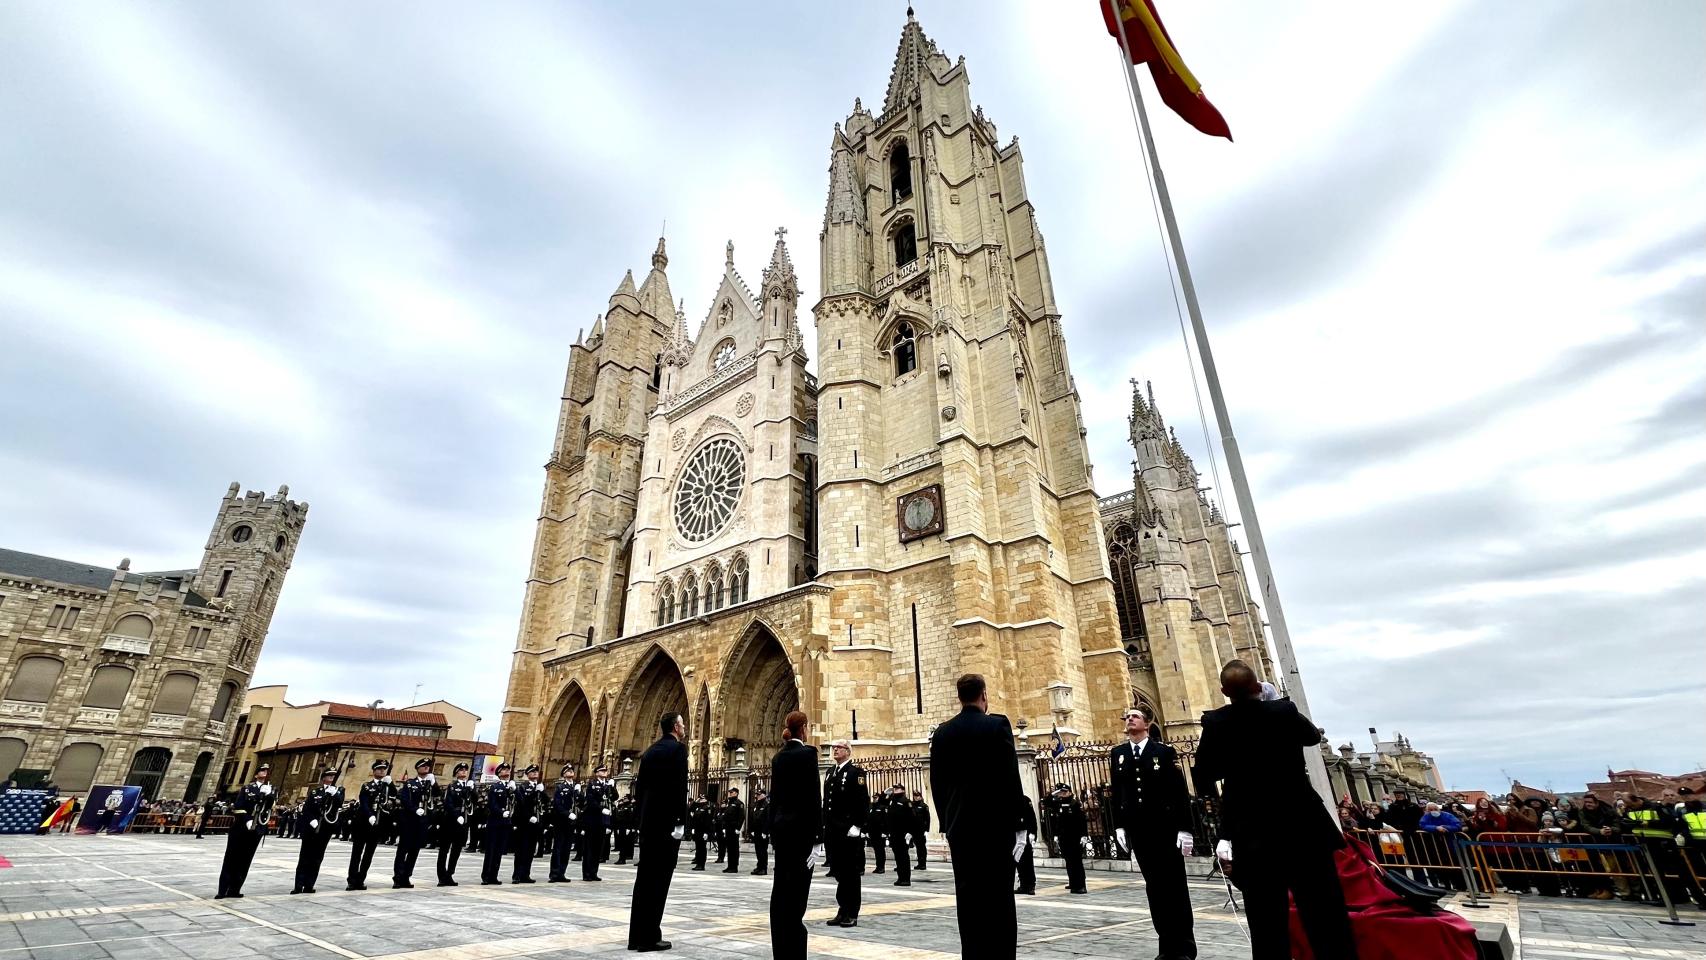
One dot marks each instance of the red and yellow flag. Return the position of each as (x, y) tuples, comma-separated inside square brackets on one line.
[(1148, 42)]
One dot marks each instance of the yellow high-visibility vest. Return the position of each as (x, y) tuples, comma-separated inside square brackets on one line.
[(1696, 820), (1646, 824)]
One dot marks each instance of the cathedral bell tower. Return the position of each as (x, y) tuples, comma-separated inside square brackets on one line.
[(960, 528)]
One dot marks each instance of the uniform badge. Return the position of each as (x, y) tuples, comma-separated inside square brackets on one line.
[(1157, 763), (1119, 759)]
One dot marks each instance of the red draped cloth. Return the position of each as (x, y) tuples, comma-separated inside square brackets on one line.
[(1384, 927)]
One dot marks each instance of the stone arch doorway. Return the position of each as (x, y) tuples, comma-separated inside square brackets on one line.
[(655, 685), (758, 691), (569, 737)]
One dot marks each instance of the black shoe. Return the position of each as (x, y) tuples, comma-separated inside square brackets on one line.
[(849, 922), (761, 872), (219, 896), (402, 885), (1029, 893), (699, 866), (592, 879), (295, 890), (903, 883), (878, 872), (660, 945), (834, 921), (491, 883), (235, 896), (731, 869), (1080, 890), (557, 880), (356, 886), (523, 880)]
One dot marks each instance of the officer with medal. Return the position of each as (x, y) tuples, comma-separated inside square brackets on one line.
[(376, 807), (499, 807), (248, 825), (1152, 820), (316, 820), (757, 818), (565, 812), (846, 802), (597, 803), (1066, 824), (414, 803), (460, 797), (531, 804), (730, 818)]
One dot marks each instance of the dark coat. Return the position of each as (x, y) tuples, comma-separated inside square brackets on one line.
[(1065, 820), (1149, 790), (661, 785), (1255, 749), (974, 774), (794, 813), (846, 801)]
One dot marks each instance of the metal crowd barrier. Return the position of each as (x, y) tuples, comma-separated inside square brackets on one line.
[(1555, 863)]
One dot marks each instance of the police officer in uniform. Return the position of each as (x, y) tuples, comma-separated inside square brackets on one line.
[(1654, 826), (732, 816), (315, 820), (896, 817), (920, 829), (376, 805), (627, 823), (500, 806), (794, 818), (1152, 817), (598, 802), (1027, 866), (1067, 826), (565, 801), (531, 804), (757, 816), (248, 825), (846, 805), (460, 799), (702, 822), (660, 787), (415, 801)]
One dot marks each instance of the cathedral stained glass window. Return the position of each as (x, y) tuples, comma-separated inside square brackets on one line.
[(709, 489), (724, 355)]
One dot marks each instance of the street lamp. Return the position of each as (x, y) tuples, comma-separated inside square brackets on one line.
[(1060, 700)]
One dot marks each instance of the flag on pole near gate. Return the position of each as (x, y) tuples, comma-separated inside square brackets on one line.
[(1056, 745), (1147, 41)]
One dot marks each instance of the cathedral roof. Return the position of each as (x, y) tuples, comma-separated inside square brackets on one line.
[(31, 566), (846, 193)]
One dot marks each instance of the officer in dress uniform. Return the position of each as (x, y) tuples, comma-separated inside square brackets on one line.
[(757, 828), (500, 806), (1067, 825), (248, 825), (1152, 817), (626, 821), (565, 805), (701, 823), (732, 816), (376, 806), (897, 825), (321, 807), (920, 829), (415, 803), (1027, 866), (846, 803), (874, 832), (795, 819), (660, 790), (531, 806), (477, 820), (460, 798), (598, 802)]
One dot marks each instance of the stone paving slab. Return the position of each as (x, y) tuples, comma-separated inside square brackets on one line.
[(149, 898)]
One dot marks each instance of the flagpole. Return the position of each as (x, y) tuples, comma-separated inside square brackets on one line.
[(1283, 652)]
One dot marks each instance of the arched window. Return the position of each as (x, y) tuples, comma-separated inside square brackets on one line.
[(738, 579), (176, 692), (657, 370), (713, 588), (586, 434), (905, 349), (75, 769), (900, 172), (689, 597), (11, 755), (723, 355), (35, 679), (905, 244), (109, 686), (590, 633), (192, 792), (133, 625), (222, 702), (666, 601)]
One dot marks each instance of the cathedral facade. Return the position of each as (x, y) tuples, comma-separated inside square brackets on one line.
[(725, 535)]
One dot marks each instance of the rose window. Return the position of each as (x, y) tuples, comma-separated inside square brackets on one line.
[(724, 355), (709, 489)]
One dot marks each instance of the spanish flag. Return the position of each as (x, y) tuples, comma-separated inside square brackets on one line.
[(1148, 42), (59, 813)]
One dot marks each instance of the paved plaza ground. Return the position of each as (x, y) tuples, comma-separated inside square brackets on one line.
[(136, 897)]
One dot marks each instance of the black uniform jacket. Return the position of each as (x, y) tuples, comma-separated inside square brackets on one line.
[(661, 785), (846, 800), (1149, 790), (459, 800), (1255, 748), (321, 803), (974, 774), (794, 813)]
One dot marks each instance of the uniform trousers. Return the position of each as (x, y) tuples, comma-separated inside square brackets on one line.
[(789, 892), (1026, 869), (361, 853), (450, 839), (881, 850), (919, 843), (594, 846), (525, 843), (847, 866), (1163, 869), (902, 857), (731, 843), (651, 889), (403, 866), (496, 838), (310, 856), (699, 851), (761, 849), (564, 829), (983, 896), (1266, 873), (1072, 851), (240, 846)]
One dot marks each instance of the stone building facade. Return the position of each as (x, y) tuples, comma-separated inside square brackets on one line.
[(1185, 606), (111, 676), (723, 535)]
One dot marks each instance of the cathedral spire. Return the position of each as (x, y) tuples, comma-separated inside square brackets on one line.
[(626, 286), (655, 296), (911, 60), (1146, 421)]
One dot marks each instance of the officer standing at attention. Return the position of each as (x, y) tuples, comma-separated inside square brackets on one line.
[(375, 806), (565, 804), (1067, 825), (530, 807), (661, 786), (793, 817), (460, 798), (974, 776), (319, 809), (733, 815), (874, 827), (414, 802), (846, 804), (499, 807), (897, 825), (1273, 820), (921, 829), (627, 822), (1152, 819), (703, 822), (1027, 865), (248, 825), (598, 801), (757, 827)]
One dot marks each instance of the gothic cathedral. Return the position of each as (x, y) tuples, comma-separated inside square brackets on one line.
[(724, 535)]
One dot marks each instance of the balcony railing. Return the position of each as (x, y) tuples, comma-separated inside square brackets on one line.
[(215, 730), (124, 644), (96, 717), (22, 711), (170, 723)]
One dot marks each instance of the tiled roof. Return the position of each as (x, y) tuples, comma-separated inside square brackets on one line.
[(36, 567), (388, 741), (419, 718)]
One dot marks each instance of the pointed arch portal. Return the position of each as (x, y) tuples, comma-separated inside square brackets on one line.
[(759, 690), (654, 687), (570, 737)]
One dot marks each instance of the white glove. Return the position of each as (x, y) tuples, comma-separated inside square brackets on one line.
[(420, 811), (461, 820), (260, 825), (678, 832), (1030, 838), (906, 839), (605, 811), (1682, 839), (266, 788), (532, 819), (1223, 850), (854, 832), (313, 824), (1119, 834), (1018, 846), (1186, 842), (573, 816), (373, 821), (813, 857), (385, 779)]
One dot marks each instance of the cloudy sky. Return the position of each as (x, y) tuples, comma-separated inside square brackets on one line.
[(1454, 267)]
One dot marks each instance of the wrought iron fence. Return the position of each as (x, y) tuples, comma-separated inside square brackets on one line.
[(1084, 767)]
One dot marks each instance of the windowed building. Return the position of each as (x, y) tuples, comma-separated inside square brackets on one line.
[(114, 676)]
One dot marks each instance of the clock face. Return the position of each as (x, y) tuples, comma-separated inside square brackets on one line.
[(920, 513)]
